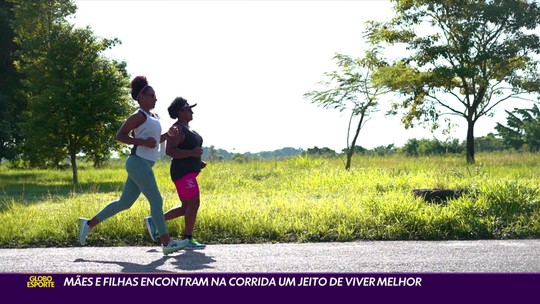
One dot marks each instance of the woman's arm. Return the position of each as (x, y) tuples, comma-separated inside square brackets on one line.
[(172, 147), (129, 125), (173, 131)]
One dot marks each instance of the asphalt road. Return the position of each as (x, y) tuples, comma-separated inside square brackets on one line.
[(362, 257)]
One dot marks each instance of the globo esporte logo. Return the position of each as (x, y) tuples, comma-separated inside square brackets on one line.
[(40, 282)]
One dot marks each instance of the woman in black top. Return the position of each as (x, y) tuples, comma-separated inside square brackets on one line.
[(186, 151)]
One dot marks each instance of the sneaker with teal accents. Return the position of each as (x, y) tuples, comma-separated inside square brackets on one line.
[(174, 246), (151, 227), (194, 245)]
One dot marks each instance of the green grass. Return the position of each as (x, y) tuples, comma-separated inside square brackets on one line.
[(299, 199)]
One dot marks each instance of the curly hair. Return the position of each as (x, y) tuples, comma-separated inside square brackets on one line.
[(138, 84), (177, 104)]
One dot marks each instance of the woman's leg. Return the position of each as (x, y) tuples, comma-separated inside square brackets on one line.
[(190, 217), (189, 194), (143, 176), (189, 209), (130, 193), (175, 212)]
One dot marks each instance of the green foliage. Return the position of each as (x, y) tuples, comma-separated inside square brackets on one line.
[(489, 143), (10, 105), (300, 199), (321, 152), (77, 98), (33, 24), (350, 88), (426, 147), (522, 130), (462, 57)]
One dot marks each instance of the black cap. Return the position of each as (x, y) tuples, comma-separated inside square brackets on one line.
[(186, 105)]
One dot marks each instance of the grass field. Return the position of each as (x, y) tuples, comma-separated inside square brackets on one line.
[(299, 199)]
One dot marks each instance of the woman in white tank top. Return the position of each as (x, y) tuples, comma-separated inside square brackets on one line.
[(142, 130)]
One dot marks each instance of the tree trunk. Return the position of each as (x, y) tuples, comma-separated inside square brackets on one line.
[(470, 142), (74, 168), (353, 143), (349, 157)]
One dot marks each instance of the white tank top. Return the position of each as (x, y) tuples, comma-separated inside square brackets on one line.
[(150, 128)]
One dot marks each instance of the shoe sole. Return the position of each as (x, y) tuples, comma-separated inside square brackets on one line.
[(194, 248), (173, 251), (176, 249)]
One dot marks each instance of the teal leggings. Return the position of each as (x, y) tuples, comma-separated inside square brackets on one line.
[(140, 179)]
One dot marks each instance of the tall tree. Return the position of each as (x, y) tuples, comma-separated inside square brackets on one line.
[(10, 105), (32, 24), (350, 89), (77, 98), (462, 57)]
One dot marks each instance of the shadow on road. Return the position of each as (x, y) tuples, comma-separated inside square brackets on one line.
[(193, 260), (187, 260)]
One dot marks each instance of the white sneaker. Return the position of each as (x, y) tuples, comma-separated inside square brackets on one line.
[(84, 230), (174, 246)]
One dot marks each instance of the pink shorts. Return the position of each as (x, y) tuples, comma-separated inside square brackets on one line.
[(187, 186)]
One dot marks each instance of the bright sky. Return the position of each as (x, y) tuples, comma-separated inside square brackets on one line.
[(247, 65)]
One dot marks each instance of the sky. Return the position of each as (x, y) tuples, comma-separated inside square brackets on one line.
[(247, 65)]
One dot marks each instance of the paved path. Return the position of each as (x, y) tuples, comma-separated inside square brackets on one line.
[(362, 257)]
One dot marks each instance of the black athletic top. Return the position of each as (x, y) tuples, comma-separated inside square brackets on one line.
[(183, 166)]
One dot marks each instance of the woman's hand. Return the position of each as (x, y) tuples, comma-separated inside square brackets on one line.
[(196, 152), (173, 131)]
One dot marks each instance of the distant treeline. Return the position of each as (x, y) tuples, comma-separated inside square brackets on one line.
[(413, 147)]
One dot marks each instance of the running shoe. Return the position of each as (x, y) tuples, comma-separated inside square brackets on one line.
[(174, 246), (194, 245), (151, 227), (84, 230)]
